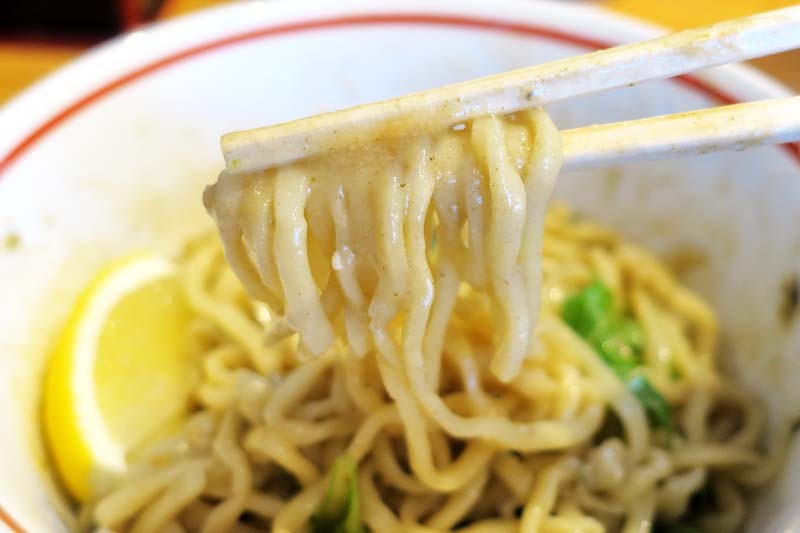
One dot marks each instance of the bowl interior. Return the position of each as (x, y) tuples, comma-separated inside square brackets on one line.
[(111, 155)]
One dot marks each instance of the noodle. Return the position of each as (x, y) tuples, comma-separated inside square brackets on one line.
[(417, 293)]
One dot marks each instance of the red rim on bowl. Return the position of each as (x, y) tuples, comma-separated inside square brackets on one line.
[(481, 23)]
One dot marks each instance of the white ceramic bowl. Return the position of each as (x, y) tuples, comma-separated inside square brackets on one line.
[(111, 153)]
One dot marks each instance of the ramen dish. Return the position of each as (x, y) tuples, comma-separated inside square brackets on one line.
[(415, 340)]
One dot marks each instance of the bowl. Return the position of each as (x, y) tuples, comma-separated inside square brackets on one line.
[(111, 153)]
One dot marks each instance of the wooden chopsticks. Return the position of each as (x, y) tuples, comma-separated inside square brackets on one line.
[(674, 54)]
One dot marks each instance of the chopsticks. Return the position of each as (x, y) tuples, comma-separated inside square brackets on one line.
[(671, 55), (733, 127)]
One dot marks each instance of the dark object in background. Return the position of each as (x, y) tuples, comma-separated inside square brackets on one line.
[(73, 19)]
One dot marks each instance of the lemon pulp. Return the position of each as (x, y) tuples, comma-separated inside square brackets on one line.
[(144, 341)]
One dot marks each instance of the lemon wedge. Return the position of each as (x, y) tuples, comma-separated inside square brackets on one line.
[(120, 372)]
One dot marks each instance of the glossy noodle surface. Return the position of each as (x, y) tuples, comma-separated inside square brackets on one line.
[(481, 366)]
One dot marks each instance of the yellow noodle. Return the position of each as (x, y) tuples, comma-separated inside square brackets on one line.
[(414, 290)]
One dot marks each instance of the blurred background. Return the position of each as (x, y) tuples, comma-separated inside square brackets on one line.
[(37, 36)]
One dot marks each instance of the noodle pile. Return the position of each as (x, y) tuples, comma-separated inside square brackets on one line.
[(406, 313)]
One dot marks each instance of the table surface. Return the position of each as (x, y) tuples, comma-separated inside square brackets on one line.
[(23, 63)]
